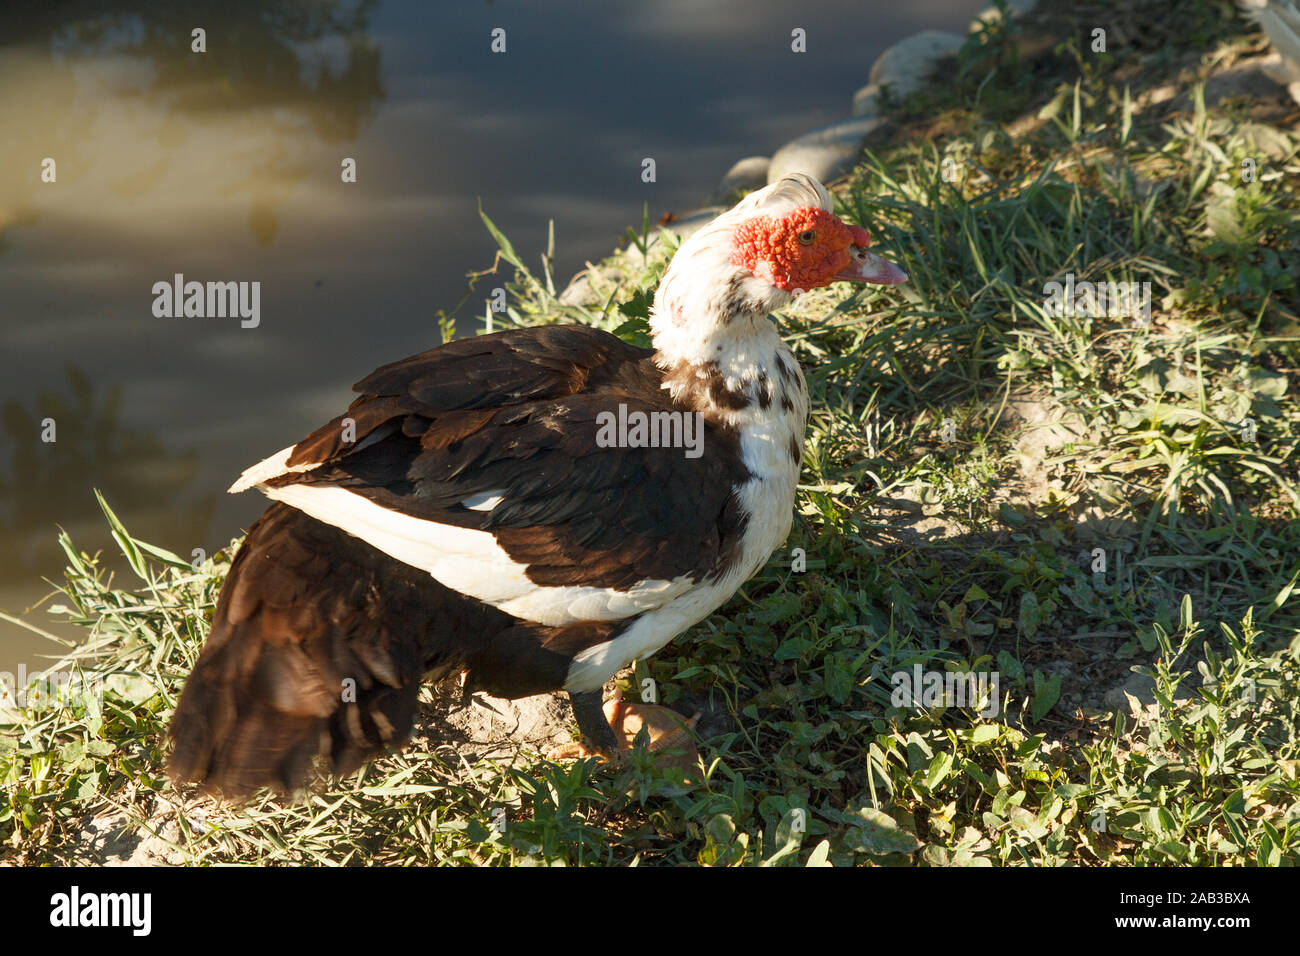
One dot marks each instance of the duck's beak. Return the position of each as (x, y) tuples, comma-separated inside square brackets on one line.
[(866, 266)]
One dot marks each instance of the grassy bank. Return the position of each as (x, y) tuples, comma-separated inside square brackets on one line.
[(1100, 509)]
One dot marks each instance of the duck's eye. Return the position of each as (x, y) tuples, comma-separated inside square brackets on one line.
[(808, 237)]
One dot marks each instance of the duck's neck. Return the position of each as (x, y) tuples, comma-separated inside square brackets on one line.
[(721, 355)]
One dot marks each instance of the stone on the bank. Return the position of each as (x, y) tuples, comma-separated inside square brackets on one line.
[(747, 174), (906, 65), (992, 15), (824, 153), (866, 101)]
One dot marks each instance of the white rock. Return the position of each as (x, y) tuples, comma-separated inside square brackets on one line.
[(579, 291), (991, 15), (1143, 689), (866, 101), (748, 173), (824, 153), (1280, 21), (1254, 79), (906, 65)]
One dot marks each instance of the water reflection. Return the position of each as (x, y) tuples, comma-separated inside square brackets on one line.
[(298, 69), (53, 452), (224, 166), (66, 442), (160, 155)]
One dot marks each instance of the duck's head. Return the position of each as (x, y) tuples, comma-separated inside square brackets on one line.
[(775, 243)]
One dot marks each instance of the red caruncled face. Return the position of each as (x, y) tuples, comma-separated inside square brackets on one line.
[(802, 250)]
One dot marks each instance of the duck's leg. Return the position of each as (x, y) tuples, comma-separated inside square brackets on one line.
[(598, 738), (597, 735)]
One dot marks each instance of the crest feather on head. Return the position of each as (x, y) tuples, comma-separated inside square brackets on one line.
[(786, 195)]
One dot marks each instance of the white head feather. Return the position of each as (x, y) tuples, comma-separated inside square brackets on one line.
[(693, 308)]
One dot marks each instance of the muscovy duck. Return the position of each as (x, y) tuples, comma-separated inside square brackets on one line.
[(464, 514)]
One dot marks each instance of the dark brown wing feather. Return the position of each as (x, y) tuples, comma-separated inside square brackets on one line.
[(307, 607), (519, 412), (484, 372)]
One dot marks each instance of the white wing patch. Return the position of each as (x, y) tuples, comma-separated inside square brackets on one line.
[(266, 469), (471, 561), (484, 500), (278, 464)]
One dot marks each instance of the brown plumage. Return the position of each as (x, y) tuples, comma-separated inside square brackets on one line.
[(306, 608), (464, 515), (311, 615)]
